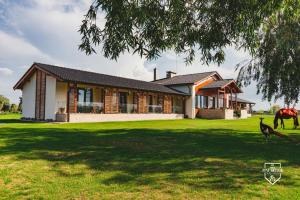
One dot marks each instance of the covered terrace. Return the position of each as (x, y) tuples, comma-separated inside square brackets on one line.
[(212, 100)]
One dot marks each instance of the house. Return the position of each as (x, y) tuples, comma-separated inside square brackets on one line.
[(56, 93)]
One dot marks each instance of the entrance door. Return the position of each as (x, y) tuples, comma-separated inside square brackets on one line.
[(123, 102)]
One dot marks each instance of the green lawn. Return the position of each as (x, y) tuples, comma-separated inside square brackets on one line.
[(182, 159)]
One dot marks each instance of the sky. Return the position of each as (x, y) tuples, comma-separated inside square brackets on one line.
[(46, 31)]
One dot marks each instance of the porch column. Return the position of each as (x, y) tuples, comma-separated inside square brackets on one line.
[(107, 100), (224, 101), (218, 99), (231, 104), (141, 103), (72, 98), (236, 101), (111, 101), (167, 104)]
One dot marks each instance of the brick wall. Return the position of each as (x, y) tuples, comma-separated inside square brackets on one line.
[(142, 102), (215, 113), (40, 95), (167, 107), (111, 101), (72, 98)]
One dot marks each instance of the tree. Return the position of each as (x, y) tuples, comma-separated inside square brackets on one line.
[(6, 108), (1, 106), (151, 27), (268, 29), (20, 104), (13, 108), (276, 62), (4, 100), (274, 109)]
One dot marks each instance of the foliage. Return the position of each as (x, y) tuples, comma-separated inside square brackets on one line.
[(172, 159), (6, 108), (1, 106), (261, 111), (237, 113), (3, 100), (274, 109), (151, 27), (276, 62), (13, 108), (268, 29), (20, 104)]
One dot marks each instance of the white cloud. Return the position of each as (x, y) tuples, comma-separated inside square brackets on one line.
[(12, 47), (5, 71)]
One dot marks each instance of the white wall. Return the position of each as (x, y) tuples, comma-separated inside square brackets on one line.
[(89, 117), (50, 104), (28, 98), (244, 114), (61, 95), (190, 101)]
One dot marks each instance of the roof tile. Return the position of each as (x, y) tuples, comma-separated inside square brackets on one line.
[(80, 76), (185, 79)]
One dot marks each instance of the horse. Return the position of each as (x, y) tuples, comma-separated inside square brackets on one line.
[(286, 113)]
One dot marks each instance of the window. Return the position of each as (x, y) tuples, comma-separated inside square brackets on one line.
[(85, 95), (84, 100), (88, 95), (80, 97), (204, 101), (123, 102)]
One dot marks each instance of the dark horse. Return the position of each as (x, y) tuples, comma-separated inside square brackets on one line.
[(286, 113)]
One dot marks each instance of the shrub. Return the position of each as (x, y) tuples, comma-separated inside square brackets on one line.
[(13, 108), (6, 108)]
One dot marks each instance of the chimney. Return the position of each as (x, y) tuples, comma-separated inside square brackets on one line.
[(154, 74), (170, 74)]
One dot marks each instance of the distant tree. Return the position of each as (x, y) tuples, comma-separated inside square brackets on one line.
[(20, 104), (274, 109), (260, 111), (4, 100), (13, 108), (6, 108), (1, 106)]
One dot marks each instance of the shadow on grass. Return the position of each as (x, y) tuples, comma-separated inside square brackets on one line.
[(207, 158), (17, 121)]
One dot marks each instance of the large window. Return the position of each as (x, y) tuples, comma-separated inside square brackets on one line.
[(123, 102), (85, 95), (84, 100), (177, 104)]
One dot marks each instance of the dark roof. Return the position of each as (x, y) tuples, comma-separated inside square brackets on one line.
[(222, 84), (217, 84), (79, 76), (242, 100), (185, 79)]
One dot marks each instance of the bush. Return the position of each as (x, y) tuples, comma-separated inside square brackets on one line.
[(6, 108), (274, 109), (13, 108)]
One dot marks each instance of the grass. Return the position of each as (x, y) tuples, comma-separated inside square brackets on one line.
[(178, 159)]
